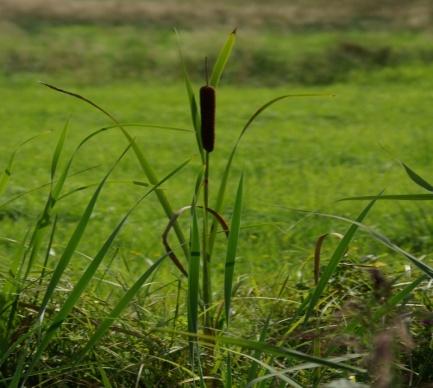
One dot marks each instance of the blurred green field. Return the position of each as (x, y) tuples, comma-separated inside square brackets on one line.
[(100, 54), (303, 153), (370, 66)]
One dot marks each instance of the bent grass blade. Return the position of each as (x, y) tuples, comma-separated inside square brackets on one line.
[(417, 179), (7, 172), (223, 183), (118, 309), (271, 350), (382, 239), (392, 197), (335, 260), (74, 240), (144, 164), (88, 275)]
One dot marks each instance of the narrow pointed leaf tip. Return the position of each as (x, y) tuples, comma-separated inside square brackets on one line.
[(417, 179), (222, 59)]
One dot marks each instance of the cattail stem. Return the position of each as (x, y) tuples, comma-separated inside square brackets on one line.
[(207, 111), (207, 285)]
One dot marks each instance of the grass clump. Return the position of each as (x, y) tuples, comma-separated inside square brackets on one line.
[(186, 316)]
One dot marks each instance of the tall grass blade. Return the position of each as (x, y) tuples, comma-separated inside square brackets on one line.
[(281, 374), (18, 372), (85, 279), (232, 245), (232, 250), (118, 309), (193, 275), (391, 303), (146, 125), (198, 185), (223, 183), (274, 373), (44, 219), (144, 164), (60, 182), (75, 190), (74, 240), (58, 150), (7, 172), (229, 377), (56, 188), (394, 300), (392, 197), (40, 227), (40, 187), (15, 346), (222, 59), (383, 240), (335, 260), (417, 179), (273, 350), (11, 285), (193, 107), (259, 111), (11, 294), (47, 256), (105, 380), (253, 370), (76, 292)]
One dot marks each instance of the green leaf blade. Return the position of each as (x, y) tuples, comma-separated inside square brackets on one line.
[(391, 197), (232, 250), (75, 239), (417, 179), (120, 306), (335, 260), (222, 59), (58, 150), (193, 275)]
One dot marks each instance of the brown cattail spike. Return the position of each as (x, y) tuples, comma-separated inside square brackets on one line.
[(207, 110)]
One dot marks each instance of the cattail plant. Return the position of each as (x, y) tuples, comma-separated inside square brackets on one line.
[(208, 321), (207, 111)]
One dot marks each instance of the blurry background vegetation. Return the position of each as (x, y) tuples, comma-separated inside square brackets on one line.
[(302, 42), (375, 56)]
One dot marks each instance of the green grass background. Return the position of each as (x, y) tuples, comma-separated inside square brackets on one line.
[(302, 153), (373, 61)]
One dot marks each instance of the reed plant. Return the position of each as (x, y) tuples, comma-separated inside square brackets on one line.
[(205, 330)]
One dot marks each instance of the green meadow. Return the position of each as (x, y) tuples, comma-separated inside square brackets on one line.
[(361, 107)]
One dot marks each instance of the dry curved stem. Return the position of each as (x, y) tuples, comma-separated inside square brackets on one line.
[(318, 251), (173, 221)]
